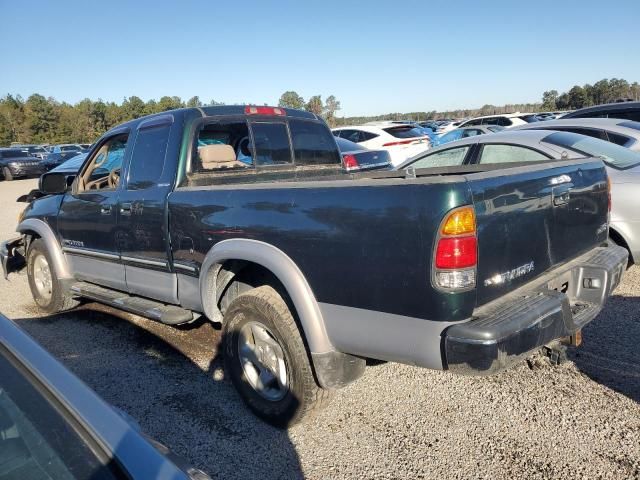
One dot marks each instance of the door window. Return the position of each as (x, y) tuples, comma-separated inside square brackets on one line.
[(445, 158), (510, 154), (147, 161), (104, 168)]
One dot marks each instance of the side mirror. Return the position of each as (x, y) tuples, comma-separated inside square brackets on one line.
[(53, 183)]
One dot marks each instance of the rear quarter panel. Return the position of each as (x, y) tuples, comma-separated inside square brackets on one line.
[(364, 244)]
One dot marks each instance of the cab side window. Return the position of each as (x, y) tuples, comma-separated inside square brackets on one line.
[(147, 160), (104, 168), (444, 158), (509, 154)]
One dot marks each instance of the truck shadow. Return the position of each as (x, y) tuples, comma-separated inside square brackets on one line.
[(610, 354), (170, 381)]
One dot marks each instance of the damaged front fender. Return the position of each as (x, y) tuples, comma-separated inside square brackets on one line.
[(12, 256)]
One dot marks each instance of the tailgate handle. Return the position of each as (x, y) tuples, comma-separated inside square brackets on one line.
[(561, 195)]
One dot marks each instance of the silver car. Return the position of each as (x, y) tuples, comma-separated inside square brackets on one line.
[(623, 168), (621, 132)]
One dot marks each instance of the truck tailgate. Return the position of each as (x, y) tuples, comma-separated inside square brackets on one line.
[(531, 219)]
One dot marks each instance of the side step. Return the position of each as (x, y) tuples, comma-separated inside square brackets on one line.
[(169, 314)]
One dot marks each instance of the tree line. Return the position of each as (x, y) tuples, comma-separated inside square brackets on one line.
[(45, 120), (603, 91)]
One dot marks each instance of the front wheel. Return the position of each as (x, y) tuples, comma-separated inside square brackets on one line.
[(266, 359), (45, 287)]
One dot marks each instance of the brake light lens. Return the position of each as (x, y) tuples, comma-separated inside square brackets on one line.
[(457, 252), (406, 142), (350, 162), (609, 193), (264, 111)]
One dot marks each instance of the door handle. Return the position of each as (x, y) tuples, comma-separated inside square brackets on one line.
[(561, 195), (125, 208), (105, 209)]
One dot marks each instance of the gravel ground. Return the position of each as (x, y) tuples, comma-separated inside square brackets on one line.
[(578, 420)]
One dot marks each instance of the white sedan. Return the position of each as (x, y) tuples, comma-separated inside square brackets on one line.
[(401, 141)]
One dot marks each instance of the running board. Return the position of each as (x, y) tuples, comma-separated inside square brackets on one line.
[(168, 314)]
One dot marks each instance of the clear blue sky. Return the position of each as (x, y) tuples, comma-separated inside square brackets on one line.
[(375, 57)]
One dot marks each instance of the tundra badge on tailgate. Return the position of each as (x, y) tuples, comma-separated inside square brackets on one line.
[(505, 277)]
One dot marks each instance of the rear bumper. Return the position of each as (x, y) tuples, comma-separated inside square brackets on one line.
[(556, 305), (12, 256)]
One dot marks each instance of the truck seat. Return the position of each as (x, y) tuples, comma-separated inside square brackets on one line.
[(218, 156)]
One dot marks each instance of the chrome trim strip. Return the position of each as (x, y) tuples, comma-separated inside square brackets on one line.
[(90, 253), (188, 268), (143, 261)]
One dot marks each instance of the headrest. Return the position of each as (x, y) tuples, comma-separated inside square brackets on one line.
[(218, 156)]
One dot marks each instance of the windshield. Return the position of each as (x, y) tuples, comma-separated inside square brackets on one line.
[(612, 154), (37, 150)]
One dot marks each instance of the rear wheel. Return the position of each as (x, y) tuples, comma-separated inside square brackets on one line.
[(266, 359), (45, 287), (6, 172)]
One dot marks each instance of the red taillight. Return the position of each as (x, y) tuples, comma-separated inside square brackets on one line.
[(350, 162), (264, 111), (404, 142), (456, 252)]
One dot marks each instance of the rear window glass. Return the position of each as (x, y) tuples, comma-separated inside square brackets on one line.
[(529, 118), (347, 146), (147, 161), (271, 142), (617, 138), (68, 148), (313, 143), (404, 132), (612, 154), (628, 115)]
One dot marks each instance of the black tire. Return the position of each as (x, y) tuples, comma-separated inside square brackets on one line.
[(6, 172), (304, 398), (58, 300)]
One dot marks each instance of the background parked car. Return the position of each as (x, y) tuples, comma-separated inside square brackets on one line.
[(401, 141), (506, 120), (33, 150), (465, 132), (621, 132), (623, 168), (55, 159), (622, 110), (357, 158), (15, 163), (52, 426), (67, 147), (72, 165)]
